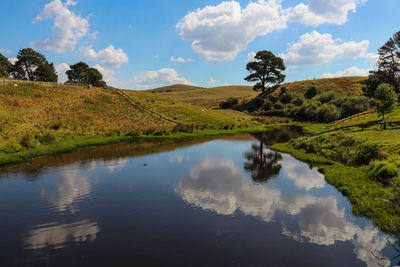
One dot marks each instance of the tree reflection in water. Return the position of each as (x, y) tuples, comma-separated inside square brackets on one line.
[(261, 163)]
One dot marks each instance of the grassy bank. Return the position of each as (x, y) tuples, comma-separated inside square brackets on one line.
[(70, 144), (363, 166)]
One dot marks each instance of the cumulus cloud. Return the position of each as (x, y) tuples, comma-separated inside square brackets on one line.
[(316, 48), (68, 28), (61, 69), (372, 59), (108, 57), (109, 76), (323, 11), (165, 76), (352, 71), (221, 32), (180, 59), (12, 60)]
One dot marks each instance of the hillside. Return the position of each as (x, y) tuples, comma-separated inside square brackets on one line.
[(211, 97), (32, 114), (345, 85), (206, 97)]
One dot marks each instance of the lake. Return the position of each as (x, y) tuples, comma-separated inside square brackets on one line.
[(204, 202)]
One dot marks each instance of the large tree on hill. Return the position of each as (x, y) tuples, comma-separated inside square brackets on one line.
[(81, 73), (33, 66), (266, 70), (46, 73), (388, 66), (5, 67)]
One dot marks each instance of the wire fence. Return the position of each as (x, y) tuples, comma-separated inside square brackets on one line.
[(14, 82)]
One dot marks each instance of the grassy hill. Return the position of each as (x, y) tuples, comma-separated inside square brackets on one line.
[(211, 97), (345, 85), (206, 97), (31, 115)]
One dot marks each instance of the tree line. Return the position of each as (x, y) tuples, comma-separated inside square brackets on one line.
[(31, 65)]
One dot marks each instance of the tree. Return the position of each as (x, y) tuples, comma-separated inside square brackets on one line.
[(386, 98), (5, 67), (28, 61), (266, 70), (46, 73), (311, 92), (388, 66), (81, 73)]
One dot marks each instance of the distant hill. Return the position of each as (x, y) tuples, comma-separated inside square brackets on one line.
[(206, 97), (211, 97)]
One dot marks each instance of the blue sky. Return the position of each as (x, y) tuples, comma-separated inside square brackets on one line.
[(145, 44)]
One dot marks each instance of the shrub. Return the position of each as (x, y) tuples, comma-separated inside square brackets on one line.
[(285, 97), (230, 102), (278, 105), (282, 91), (132, 133), (258, 102), (329, 96), (365, 153), (298, 101), (273, 98), (327, 113), (383, 171), (267, 105), (311, 92)]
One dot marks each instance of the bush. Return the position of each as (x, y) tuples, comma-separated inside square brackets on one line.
[(282, 91), (383, 171), (273, 98), (132, 133), (365, 153), (298, 101), (230, 102), (267, 105), (285, 97), (258, 102), (327, 113), (329, 96), (278, 105), (311, 92)]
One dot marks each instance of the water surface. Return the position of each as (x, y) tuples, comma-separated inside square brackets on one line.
[(209, 202)]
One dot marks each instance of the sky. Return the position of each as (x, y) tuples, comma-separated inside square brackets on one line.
[(144, 44)]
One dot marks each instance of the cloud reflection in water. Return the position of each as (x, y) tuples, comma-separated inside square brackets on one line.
[(218, 185)]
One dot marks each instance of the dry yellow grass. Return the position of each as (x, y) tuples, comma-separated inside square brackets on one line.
[(206, 97), (345, 85)]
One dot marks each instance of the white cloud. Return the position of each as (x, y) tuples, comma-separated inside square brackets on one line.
[(323, 11), (180, 59), (251, 55), (352, 71), (372, 59), (12, 60), (221, 32), (316, 48), (68, 28), (61, 69), (108, 57), (160, 77), (5, 51), (109, 78), (212, 81)]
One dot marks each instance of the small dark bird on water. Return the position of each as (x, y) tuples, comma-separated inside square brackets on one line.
[(145, 164)]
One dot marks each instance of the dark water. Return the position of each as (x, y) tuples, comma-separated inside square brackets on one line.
[(212, 202)]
